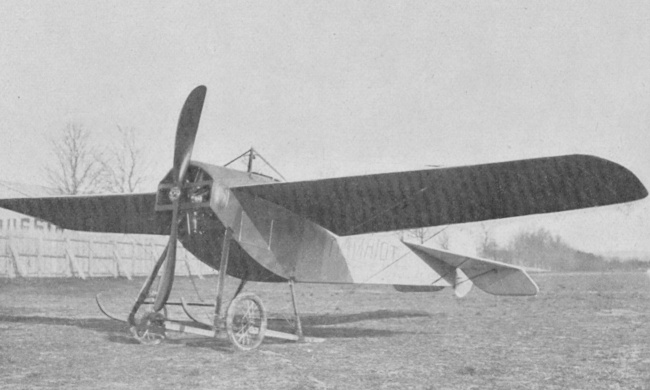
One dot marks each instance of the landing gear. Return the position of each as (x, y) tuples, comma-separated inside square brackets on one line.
[(150, 328), (299, 334), (246, 322)]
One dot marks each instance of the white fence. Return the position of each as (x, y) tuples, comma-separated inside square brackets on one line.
[(72, 254)]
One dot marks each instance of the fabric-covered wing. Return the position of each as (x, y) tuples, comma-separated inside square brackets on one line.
[(129, 213), (490, 276), (408, 200)]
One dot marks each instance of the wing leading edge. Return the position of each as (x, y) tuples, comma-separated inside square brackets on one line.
[(408, 200), (128, 213), (383, 202)]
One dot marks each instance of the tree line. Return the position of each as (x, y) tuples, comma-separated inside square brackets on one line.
[(542, 250), (539, 249), (84, 166)]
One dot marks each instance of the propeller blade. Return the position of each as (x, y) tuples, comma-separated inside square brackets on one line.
[(167, 280), (144, 291), (188, 124)]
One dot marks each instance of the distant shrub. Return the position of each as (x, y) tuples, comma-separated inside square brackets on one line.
[(541, 249)]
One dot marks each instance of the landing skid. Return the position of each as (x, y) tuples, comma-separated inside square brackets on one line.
[(191, 316), (245, 324), (268, 333), (106, 312)]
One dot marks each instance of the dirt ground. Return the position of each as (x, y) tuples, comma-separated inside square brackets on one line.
[(583, 331)]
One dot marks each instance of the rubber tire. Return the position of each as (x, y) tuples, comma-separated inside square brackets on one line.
[(230, 317)]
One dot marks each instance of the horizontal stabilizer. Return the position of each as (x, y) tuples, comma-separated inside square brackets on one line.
[(124, 213), (490, 276)]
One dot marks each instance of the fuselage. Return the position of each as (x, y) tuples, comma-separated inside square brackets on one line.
[(272, 244)]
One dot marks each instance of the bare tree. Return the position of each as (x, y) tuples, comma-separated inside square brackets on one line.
[(442, 238), (487, 247), (420, 234), (425, 234), (81, 168), (78, 168), (124, 164)]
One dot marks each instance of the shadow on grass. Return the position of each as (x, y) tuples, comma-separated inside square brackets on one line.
[(313, 325), (118, 332), (219, 345), (319, 325), (96, 324), (334, 319)]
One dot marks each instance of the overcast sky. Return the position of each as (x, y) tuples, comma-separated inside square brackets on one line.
[(335, 88)]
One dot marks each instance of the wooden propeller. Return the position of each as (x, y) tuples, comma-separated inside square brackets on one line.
[(188, 123)]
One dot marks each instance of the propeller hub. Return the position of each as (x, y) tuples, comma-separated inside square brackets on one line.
[(174, 193)]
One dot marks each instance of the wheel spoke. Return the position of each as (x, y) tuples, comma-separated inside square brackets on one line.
[(249, 310), (246, 322), (242, 336)]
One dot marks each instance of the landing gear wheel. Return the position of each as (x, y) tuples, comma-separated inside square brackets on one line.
[(150, 329), (246, 322)]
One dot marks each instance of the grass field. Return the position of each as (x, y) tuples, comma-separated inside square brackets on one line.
[(584, 331)]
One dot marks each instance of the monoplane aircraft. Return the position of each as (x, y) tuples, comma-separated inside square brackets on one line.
[(255, 228)]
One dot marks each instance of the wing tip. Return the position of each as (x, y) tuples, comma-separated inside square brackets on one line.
[(618, 178)]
